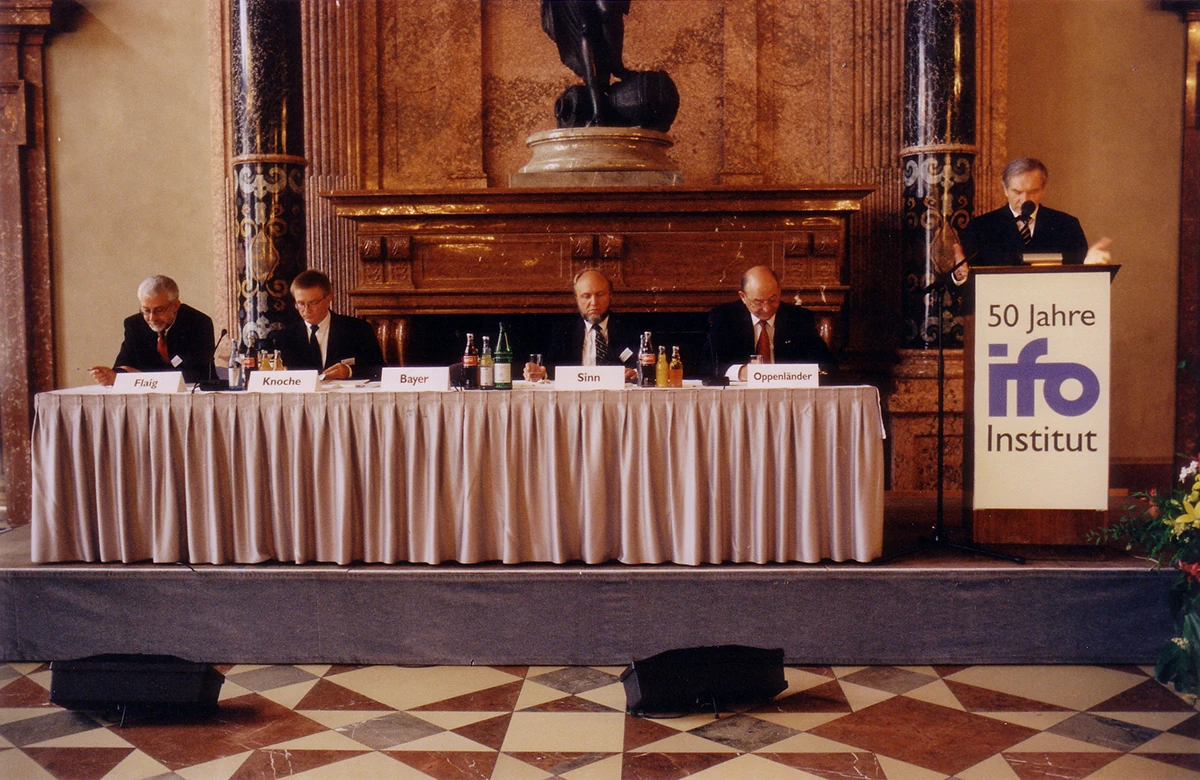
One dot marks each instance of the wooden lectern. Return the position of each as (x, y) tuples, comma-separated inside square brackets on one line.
[(1036, 417)]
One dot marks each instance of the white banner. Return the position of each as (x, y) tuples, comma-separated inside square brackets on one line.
[(149, 382), (782, 375), (589, 378), (301, 381), (411, 380), (1041, 390)]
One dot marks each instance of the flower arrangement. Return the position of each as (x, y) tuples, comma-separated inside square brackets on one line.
[(1166, 527)]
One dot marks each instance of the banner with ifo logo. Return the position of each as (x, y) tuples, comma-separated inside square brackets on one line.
[(1041, 390)]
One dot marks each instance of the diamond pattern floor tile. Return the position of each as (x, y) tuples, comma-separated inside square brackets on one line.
[(329, 722)]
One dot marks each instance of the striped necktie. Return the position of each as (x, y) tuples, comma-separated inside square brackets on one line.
[(1023, 228), (601, 346)]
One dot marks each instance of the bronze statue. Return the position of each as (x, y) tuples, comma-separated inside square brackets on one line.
[(590, 35)]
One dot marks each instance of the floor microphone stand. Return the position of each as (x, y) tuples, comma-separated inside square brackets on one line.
[(941, 538)]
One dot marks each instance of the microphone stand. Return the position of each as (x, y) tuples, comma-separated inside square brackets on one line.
[(940, 537), (212, 383)]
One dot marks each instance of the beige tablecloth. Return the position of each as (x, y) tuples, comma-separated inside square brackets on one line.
[(693, 475)]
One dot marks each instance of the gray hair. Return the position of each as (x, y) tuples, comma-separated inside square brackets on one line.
[(156, 285), (1024, 165)]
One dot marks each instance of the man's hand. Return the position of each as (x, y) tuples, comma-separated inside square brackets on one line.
[(103, 375), (1098, 253), (534, 373), (337, 371), (962, 271)]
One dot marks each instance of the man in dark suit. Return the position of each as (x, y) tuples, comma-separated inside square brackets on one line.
[(760, 324), (596, 338), (339, 346), (166, 336), (1024, 226)]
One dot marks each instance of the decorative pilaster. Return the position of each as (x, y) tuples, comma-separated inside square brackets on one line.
[(938, 160), (268, 161), (1187, 379), (26, 332)]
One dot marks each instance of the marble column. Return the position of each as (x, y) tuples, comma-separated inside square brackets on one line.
[(268, 161), (26, 325), (937, 159)]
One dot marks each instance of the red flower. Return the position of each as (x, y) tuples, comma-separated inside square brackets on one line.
[(1190, 569)]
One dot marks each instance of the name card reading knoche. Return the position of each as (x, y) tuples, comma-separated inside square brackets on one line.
[(156, 382), (589, 378), (411, 380), (283, 381), (783, 375)]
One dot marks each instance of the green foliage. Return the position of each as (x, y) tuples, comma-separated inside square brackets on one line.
[(1166, 528)]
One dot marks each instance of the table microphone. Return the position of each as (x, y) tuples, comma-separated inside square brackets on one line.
[(212, 383)]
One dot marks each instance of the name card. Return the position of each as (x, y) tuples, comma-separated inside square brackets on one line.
[(410, 380), (589, 378), (283, 381), (783, 375), (145, 382)]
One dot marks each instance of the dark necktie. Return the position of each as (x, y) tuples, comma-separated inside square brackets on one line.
[(162, 348), (763, 347), (601, 346), (1023, 228), (314, 346)]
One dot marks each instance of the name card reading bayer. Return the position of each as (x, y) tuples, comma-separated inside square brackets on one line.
[(411, 380), (783, 375), (283, 381), (156, 382), (589, 378)]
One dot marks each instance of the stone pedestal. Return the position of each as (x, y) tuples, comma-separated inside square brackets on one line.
[(911, 408), (598, 157)]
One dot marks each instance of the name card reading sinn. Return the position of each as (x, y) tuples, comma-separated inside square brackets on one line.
[(783, 375), (156, 382), (283, 381), (589, 378), (411, 380)]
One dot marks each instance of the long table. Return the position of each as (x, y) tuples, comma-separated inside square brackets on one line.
[(693, 475)]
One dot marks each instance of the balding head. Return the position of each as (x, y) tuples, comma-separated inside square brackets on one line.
[(593, 295), (760, 292)]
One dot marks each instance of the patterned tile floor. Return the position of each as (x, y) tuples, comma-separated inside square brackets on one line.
[(519, 723)]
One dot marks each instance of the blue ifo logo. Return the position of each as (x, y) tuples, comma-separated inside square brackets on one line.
[(1026, 371)]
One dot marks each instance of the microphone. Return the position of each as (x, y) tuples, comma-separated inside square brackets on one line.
[(212, 383), (1027, 209)]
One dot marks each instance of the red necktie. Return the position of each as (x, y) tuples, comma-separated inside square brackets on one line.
[(763, 347), (162, 348)]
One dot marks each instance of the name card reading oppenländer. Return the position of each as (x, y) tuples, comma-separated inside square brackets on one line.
[(589, 378), (783, 375), (412, 380), (156, 382), (304, 381)]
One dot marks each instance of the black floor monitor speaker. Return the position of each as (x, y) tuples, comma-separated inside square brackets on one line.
[(702, 679), (139, 682)]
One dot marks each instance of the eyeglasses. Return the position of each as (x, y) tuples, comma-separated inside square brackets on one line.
[(306, 305), (156, 311), (758, 303)]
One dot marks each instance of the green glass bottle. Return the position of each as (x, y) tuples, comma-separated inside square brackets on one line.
[(503, 358)]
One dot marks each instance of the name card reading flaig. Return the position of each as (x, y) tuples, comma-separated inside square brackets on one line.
[(783, 375), (283, 381), (149, 382), (589, 378), (411, 380)]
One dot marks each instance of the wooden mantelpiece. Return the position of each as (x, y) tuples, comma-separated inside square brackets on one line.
[(666, 249)]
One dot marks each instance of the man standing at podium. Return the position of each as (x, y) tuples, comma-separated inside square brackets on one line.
[(1025, 226)]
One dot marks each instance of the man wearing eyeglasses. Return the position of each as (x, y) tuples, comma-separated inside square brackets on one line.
[(760, 325), (166, 336), (338, 345)]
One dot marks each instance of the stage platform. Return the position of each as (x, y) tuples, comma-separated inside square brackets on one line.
[(1066, 605)]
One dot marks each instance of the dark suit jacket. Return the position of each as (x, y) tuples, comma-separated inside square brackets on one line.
[(190, 338), (731, 336), (566, 342), (349, 337), (993, 238)]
